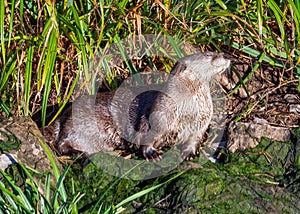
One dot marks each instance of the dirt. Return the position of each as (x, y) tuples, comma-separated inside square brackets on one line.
[(268, 91)]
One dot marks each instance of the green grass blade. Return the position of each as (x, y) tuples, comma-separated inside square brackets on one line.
[(48, 71), (41, 78), (146, 191), (125, 56), (18, 195), (12, 15), (52, 160), (28, 75), (102, 24), (222, 4), (7, 71), (9, 197), (21, 10), (257, 54), (47, 193), (5, 108), (260, 17), (278, 15), (82, 47), (73, 205), (47, 188), (2, 42), (175, 46), (298, 72), (60, 189), (67, 98)]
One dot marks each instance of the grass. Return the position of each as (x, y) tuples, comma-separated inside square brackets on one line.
[(48, 53), (39, 193)]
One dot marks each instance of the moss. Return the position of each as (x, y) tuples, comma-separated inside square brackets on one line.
[(263, 179)]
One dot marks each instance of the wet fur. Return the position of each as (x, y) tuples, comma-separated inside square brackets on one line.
[(178, 114)]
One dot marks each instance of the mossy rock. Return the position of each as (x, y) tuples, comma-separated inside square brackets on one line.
[(260, 180)]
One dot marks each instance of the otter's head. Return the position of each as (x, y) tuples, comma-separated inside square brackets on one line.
[(201, 66)]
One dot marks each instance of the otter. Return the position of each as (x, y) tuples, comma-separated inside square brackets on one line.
[(177, 112)]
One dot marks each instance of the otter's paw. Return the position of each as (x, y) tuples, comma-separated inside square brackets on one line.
[(67, 150), (189, 153), (150, 153)]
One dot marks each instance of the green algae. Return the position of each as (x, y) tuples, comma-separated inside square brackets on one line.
[(264, 179), (11, 142)]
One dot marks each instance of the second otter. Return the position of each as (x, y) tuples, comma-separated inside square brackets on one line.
[(177, 113)]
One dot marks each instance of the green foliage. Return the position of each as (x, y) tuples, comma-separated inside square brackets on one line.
[(38, 194), (48, 46), (35, 194)]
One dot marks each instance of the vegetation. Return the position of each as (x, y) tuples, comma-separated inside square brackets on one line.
[(47, 46), (30, 195), (48, 50), (22, 192)]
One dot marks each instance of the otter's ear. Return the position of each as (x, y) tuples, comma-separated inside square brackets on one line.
[(178, 68)]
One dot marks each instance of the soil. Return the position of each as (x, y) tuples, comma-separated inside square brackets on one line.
[(272, 94)]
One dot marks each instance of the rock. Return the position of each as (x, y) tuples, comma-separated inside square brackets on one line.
[(19, 142), (248, 135), (294, 103)]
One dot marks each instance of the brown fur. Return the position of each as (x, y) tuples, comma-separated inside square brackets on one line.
[(178, 113)]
